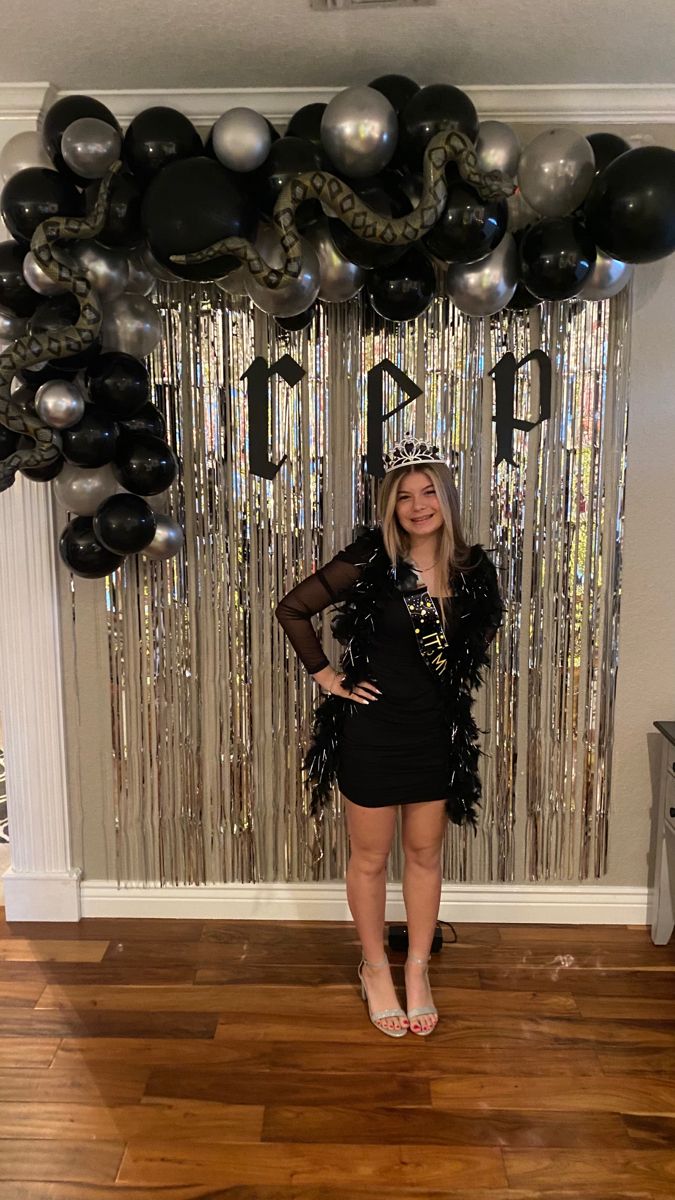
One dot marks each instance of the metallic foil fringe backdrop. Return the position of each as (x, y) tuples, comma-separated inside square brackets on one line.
[(211, 709)]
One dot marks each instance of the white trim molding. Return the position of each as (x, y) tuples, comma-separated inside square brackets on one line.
[(499, 903)]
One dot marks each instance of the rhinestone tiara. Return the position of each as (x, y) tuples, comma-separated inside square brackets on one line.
[(409, 452)]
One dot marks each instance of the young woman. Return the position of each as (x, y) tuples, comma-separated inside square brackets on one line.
[(417, 610)]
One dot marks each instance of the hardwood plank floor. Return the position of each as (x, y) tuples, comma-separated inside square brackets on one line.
[(184, 1060)]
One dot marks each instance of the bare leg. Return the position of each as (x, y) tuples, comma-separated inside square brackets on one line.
[(424, 827), (371, 831)]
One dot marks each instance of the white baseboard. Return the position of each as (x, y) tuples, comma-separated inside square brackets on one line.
[(520, 903), (33, 897)]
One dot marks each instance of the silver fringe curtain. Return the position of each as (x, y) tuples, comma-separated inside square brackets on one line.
[(211, 710)]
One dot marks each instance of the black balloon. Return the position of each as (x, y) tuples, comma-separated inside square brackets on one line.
[(122, 226), (144, 464), (31, 196), (119, 384), (34, 377), (60, 116), (92, 441), (439, 106), (53, 316), (147, 420), (9, 441), (523, 299), (606, 147), (15, 294), (188, 206), (292, 324), (398, 89), (156, 137), (630, 210), (40, 474), (385, 198), (288, 157), (556, 256), (402, 291), (306, 123), (469, 228), (125, 524), (82, 552)]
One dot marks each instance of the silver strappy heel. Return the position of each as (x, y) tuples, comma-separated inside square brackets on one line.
[(386, 1012), (428, 1010)]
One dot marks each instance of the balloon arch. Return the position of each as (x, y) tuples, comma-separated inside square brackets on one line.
[(393, 190)]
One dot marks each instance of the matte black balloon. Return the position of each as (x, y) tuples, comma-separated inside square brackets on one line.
[(34, 377), (385, 198), (156, 137), (122, 226), (188, 206), (54, 315), (31, 196), (62, 114), (306, 123), (125, 524), (469, 228), (148, 420), (556, 256), (439, 106), (119, 384), (288, 157), (92, 442), (9, 441), (606, 147), (398, 89), (82, 552), (523, 299), (15, 294), (144, 464), (630, 210), (292, 324), (40, 474), (274, 133), (403, 290)]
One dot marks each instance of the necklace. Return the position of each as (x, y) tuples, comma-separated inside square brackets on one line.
[(429, 568)]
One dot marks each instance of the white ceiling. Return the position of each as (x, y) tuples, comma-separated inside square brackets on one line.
[(167, 44)]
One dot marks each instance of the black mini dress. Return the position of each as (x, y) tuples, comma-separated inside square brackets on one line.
[(393, 750)]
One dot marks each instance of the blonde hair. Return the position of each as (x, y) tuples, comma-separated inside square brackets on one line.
[(455, 553)]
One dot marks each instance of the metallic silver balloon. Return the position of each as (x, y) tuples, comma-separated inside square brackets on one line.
[(520, 213), (168, 539), (106, 269), (556, 170), (359, 131), (89, 146), (340, 279), (234, 284), (241, 139), (141, 279), (132, 324), (10, 326), (82, 489), (291, 298), (38, 279), (608, 277), (21, 151), (484, 287), (497, 148), (60, 403)]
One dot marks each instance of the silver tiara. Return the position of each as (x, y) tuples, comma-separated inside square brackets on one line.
[(409, 452)]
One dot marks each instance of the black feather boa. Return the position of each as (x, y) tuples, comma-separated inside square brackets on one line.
[(478, 606)]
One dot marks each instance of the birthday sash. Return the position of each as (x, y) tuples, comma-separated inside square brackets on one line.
[(429, 630)]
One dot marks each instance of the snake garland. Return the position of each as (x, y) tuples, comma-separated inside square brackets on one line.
[(31, 349), (446, 147)]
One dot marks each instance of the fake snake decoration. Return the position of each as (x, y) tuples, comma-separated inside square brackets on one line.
[(29, 350)]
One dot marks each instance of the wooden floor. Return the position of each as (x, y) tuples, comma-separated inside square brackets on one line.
[(183, 1059)]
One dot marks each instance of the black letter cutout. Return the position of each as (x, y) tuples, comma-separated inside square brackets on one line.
[(258, 377), (504, 375), (376, 418)]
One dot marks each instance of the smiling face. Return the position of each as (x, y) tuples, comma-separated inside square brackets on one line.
[(417, 507)]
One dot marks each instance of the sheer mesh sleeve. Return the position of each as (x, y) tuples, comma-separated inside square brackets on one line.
[(323, 587)]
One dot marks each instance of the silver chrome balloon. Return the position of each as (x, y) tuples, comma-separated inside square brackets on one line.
[(359, 131), (82, 489), (234, 284), (89, 146), (340, 279), (106, 269), (291, 298), (21, 151), (11, 326), (141, 279), (132, 324), (497, 148), (484, 287), (607, 278), (168, 539), (241, 139), (520, 213), (38, 279), (556, 170), (60, 403)]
